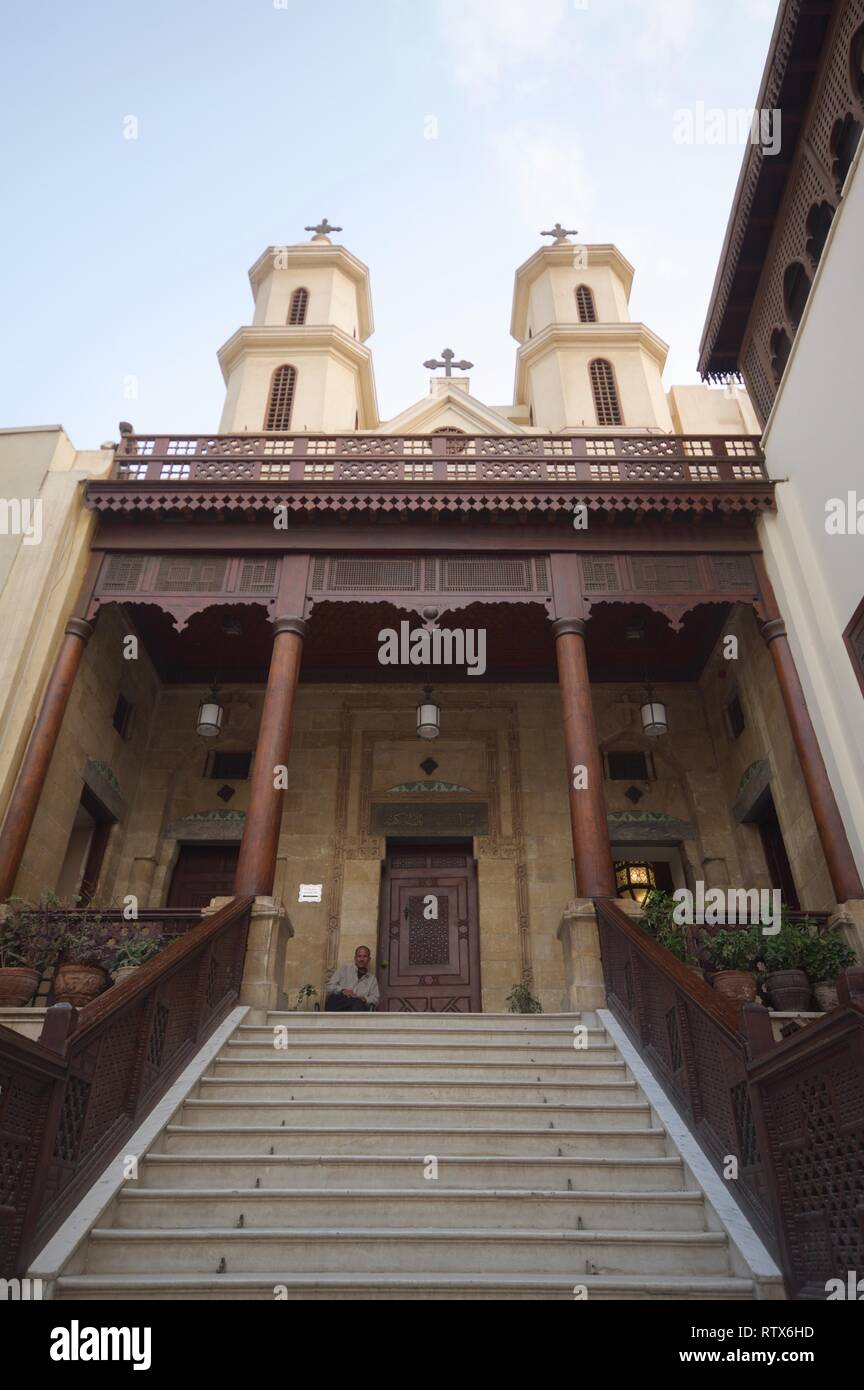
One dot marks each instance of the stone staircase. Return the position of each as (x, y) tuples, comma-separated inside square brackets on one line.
[(306, 1172)]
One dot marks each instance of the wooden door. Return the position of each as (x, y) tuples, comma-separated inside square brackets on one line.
[(202, 872), (428, 941)]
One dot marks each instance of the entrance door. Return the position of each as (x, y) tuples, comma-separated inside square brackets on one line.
[(776, 857), (203, 872), (428, 940)]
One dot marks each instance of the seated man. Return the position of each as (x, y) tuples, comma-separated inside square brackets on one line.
[(352, 988)]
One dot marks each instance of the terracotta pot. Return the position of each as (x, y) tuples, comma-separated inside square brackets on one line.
[(736, 984), (78, 984), (788, 991), (18, 984), (123, 972), (826, 995)]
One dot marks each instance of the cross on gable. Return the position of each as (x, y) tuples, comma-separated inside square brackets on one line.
[(448, 363), (323, 228), (560, 233)]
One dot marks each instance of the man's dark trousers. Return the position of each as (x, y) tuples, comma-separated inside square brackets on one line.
[(338, 1003)]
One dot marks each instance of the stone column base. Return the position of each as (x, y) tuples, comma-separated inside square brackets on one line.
[(266, 945), (583, 967), (849, 917)]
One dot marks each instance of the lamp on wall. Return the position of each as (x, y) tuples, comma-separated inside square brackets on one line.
[(210, 714), (653, 713), (428, 715), (634, 881)]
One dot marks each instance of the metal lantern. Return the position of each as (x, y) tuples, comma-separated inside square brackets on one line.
[(428, 716), (653, 712), (210, 715), (634, 881)]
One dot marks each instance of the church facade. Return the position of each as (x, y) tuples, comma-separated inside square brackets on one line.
[(506, 659)]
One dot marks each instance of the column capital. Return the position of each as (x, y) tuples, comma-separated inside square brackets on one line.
[(775, 627), (299, 626), (563, 627), (79, 627)]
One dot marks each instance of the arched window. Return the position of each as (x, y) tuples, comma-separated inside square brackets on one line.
[(844, 143), (299, 305), (796, 287), (454, 445), (781, 346), (605, 392), (585, 304), (818, 225), (279, 407)]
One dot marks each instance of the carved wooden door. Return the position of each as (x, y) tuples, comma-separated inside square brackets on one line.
[(202, 872), (428, 942)]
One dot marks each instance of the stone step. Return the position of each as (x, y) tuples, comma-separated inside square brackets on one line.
[(417, 1024), (425, 1054), (387, 1288), (283, 1068), (369, 1094), (188, 1164), (224, 1109), (324, 1040), (381, 1251), (226, 1135), (271, 1208)]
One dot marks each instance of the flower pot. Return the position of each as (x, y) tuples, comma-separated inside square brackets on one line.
[(788, 990), (123, 972), (826, 995), (736, 984), (18, 984), (78, 984)]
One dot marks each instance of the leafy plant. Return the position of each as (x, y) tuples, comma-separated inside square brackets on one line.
[(86, 941), (658, 920), (31, 934), (133, 945), (738, 949), (520, 1000), (307, 992), (826, 955), (786, 949)]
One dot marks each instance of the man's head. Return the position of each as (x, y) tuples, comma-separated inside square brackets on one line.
[(362, 957)]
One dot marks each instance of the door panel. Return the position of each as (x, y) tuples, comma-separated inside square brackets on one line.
[(202, 872), (428, 945)]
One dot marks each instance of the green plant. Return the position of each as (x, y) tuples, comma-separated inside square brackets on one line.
[(738, 949), (786, 949), (31, 934), (520, 1000), (826, 955), (658, 920), (133, 946), (86, 941), (307, 992)]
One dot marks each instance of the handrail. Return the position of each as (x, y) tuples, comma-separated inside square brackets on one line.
[(789, 1112), (69, 1102)]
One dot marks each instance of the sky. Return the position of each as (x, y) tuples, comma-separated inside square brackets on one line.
[(441, 135)]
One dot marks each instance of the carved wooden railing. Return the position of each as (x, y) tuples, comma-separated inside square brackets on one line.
[(69, 1102), (791, 1112), (441, 458)]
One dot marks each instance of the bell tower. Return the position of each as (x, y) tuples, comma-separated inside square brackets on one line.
[(302, 365), (582, 364)]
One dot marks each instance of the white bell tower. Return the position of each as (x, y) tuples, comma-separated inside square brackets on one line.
[(302, 365)]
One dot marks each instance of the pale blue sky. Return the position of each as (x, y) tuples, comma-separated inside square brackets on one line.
[(129, 257)]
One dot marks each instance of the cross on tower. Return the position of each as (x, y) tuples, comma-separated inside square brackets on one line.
[(448, 363), (560, 233), (323, 228)]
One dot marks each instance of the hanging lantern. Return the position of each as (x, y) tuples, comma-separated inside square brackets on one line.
[(428, 716), (210, 715), (634, 881), (653, 712)]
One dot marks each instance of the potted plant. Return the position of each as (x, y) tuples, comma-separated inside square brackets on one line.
[(132, 947), (734, 955), (305, 998), (87, 950), (30, 942), (520, 1000), (659, 921), (826, 955), (783, 956)]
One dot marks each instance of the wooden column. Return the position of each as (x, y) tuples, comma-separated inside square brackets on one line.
[(845, 879), (256, 866), (595, 877), (43, 741)]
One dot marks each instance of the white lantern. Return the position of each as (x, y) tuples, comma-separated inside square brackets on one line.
[(210, 715), (653, 712), (428, 716)]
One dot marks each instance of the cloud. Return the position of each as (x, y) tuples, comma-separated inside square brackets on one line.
[(666, 29), (488, 37), (545, 169)]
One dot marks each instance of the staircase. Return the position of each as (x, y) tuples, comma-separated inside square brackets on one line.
[(302, 1173)]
